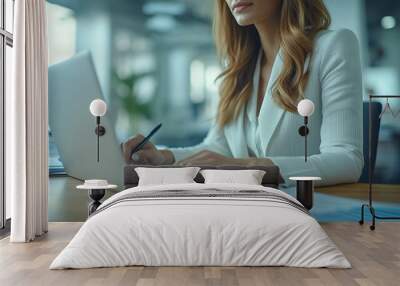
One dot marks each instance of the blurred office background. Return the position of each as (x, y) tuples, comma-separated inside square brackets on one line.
[(156, 63)]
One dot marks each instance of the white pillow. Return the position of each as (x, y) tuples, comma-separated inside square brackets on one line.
[(163, 176), (248, 177)]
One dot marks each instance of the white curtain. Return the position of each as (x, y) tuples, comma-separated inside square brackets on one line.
[(27, 124)]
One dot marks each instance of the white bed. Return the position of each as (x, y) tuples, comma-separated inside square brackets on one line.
[(268, 228)]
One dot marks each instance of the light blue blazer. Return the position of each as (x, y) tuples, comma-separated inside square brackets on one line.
[(335, 139)]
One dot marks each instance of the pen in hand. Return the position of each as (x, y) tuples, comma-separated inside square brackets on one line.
[(145, 140)]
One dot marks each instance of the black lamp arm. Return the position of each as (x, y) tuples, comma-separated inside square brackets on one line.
[(303, 131), (100, 131)]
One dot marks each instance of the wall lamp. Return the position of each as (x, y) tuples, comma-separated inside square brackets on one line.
[(305, 108), (98, 109)]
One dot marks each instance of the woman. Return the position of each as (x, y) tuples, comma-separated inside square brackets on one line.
[(276, 53)]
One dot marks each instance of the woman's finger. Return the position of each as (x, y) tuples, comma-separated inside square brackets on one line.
[(129, 145), (142, 157), (134, 141)]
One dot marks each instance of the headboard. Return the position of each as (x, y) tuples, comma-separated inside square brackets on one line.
[(271, 178)]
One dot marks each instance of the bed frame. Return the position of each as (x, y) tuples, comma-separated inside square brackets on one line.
[(271, 178)]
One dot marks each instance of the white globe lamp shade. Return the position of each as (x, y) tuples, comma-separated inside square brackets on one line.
[(98, 107), (305, 108)]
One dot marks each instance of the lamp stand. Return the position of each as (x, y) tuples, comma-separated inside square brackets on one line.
[(100, 131), (303, 131)]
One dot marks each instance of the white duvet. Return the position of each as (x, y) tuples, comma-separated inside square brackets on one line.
[(200, 231)]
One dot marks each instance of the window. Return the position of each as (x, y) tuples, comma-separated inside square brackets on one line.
[(6, 44)]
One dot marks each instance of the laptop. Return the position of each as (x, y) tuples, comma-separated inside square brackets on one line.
[(73, 84)]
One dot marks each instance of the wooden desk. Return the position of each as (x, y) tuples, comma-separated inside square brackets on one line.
[(380, 193)]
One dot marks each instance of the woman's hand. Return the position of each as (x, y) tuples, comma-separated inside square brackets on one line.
[(214, 159), (148, 155), (207, 158)]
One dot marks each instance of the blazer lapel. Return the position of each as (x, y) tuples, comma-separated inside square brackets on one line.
[(235, 135), (269, 117), (270, 113)]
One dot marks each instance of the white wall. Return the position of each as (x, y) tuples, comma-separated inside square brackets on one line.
[(95, 34), (61, 27)]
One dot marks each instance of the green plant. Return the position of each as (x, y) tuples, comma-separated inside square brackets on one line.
[(124, 88)]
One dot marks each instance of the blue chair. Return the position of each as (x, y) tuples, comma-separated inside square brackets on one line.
[(376, 109)]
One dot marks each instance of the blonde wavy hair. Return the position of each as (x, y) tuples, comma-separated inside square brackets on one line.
[(238, 47)]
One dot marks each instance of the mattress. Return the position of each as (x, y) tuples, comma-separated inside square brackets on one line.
[(201, 225)]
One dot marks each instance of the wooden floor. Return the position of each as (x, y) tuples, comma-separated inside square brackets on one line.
[(375, 257)]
